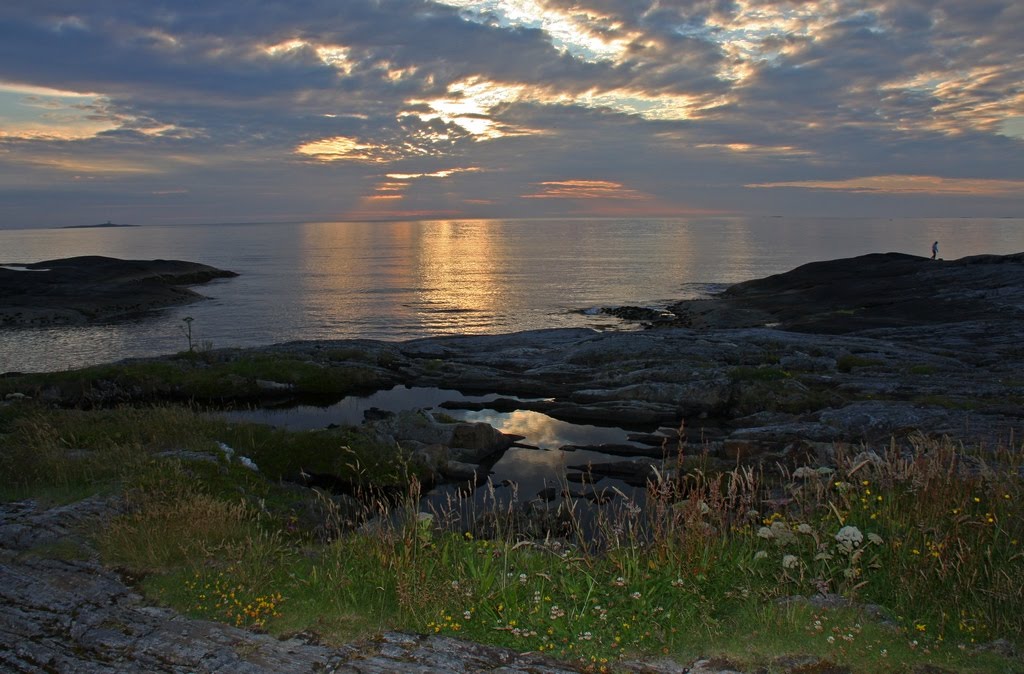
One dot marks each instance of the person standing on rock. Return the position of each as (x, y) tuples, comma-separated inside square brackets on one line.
[(935, 250)]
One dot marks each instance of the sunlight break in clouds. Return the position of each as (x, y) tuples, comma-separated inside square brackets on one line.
[(436, 174), (336, 56), (896, 184), (343, 148), (577, 32), (468, 105)]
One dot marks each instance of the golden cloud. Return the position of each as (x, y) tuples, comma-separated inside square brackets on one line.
[(585, 189), (339, 148), (445, 173)]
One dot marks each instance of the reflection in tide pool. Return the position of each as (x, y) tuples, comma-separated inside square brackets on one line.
[(540, 430), (519, 475)]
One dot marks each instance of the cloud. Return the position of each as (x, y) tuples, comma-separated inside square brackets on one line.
[(304, 107), (896, 184), (584, 189)]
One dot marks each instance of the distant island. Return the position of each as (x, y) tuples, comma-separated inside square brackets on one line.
[(95, 289), (108, 223)]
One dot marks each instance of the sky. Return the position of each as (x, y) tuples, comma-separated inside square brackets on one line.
[(191, 111)]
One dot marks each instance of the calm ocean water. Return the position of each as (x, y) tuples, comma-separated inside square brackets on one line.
[(400, 280)]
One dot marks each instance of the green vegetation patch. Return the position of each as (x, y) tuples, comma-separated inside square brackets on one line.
[(77, 451), (197, 376), (879, 567), (918, 564)]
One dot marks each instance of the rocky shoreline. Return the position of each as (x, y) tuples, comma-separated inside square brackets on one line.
[(922, 349), (868, 353)]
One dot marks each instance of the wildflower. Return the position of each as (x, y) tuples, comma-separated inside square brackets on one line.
[(920, 627), (765, 532), (782, 533), (760, 554), (849, 537), (790, 562), (874, 538), (635, 595), (804, 529)]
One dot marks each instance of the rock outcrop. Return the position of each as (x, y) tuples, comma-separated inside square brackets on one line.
[(91, 289)]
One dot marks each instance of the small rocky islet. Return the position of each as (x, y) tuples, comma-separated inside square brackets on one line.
[(866, 352), (95, 289)]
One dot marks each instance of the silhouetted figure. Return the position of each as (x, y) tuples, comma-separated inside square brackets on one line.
[(935, 250)]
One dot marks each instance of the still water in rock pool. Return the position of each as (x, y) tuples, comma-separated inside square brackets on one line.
[(536, 465)]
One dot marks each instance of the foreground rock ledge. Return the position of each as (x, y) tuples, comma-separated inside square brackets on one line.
[(93, 289)]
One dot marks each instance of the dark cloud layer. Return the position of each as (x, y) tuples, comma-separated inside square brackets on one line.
[(215, 110)]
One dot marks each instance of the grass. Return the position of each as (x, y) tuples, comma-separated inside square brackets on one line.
[(917, 550), (74, 450), (198, 376)]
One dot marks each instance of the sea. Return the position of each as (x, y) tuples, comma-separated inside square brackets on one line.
[(405, 280)]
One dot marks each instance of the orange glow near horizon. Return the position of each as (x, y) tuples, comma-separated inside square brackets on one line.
[(910, 184)]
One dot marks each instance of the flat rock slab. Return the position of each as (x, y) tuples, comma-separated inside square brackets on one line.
[(91, 289)]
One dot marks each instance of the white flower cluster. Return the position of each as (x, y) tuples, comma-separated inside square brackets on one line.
[(849, 537)]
